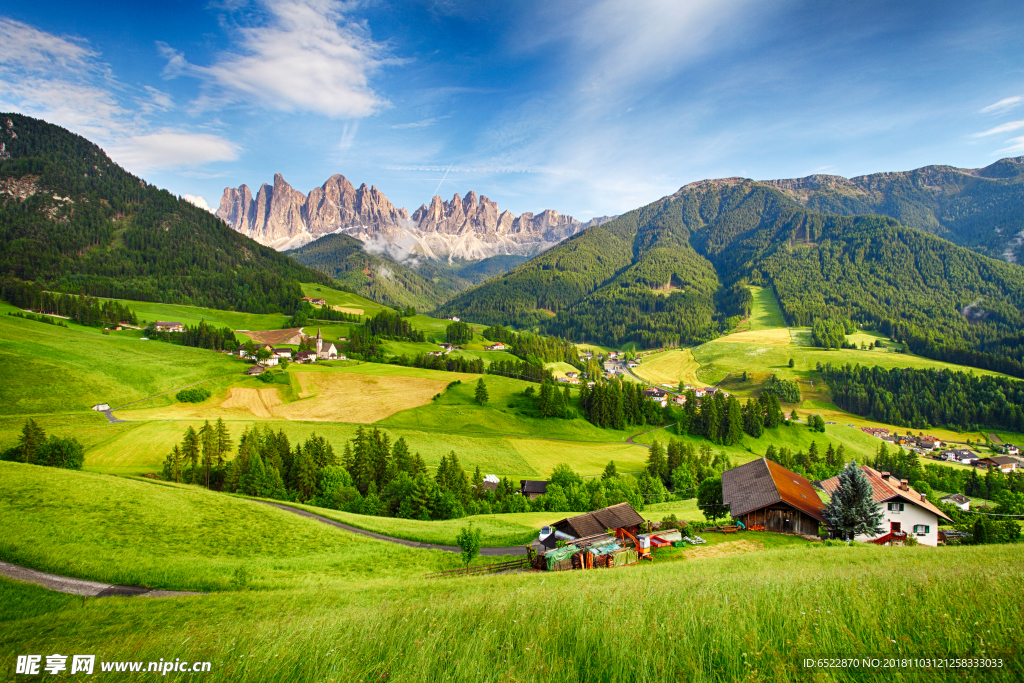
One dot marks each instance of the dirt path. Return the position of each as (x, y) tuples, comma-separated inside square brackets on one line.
[(110, 415), (634, 443), (92, 589), (487, 552)]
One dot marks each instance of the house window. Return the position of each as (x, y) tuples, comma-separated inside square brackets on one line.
[(921, 529), (895, 507)]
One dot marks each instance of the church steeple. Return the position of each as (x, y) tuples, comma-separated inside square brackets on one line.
[(319, 343)]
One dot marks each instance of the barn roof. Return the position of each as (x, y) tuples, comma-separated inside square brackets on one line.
[(762, 483), (598, 521), (527, 486)]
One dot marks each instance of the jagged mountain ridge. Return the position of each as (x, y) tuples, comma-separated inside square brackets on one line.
[(468, 228)]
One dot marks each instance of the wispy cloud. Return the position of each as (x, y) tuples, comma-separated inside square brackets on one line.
[(172, 149), (424, 123), (306, 56), (1016, 146), (62, 79), (1002, 105), (1001, 128)]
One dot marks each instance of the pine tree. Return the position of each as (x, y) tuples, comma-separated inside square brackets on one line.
[(224, 444), (208, 439), (545, 399), (812, 452), (657, 466), (478, 482), (190, 451), (480, 395), (830, 455), (734, 423), (609, 471), (31, 441), (852, 510), (304, 478)]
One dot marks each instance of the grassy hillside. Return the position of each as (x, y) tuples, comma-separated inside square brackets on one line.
[(631, 624), (82, 223), (52, 369), (138, 533)]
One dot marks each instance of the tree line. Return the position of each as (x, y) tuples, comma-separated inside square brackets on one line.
[(82, 309), (924, 398), (35, 448), (202, 336)]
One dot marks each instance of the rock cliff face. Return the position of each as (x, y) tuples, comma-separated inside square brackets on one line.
[(470, 227)]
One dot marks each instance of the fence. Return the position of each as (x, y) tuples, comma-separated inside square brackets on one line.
[(521, 563)]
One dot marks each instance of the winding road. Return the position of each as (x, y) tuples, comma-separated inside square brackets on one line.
[(91, 589)]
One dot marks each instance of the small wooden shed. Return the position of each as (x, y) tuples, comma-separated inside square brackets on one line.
[(767, 494)]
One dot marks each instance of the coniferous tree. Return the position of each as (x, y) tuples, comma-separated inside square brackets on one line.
[(609, 470), (190, 448), (480, 395), (31, 441), (852, 510)]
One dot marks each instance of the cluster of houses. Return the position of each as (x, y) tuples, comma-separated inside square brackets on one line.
[(315, 302), (324, 351), (765, 495), (165, 326), (931, 446)]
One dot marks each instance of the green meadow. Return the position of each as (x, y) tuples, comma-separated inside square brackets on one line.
[(315, 603)]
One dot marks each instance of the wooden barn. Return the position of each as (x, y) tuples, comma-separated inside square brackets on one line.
[(765, 494), (621, 516)]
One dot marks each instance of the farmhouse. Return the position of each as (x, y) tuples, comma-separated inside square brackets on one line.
[(305, 357), (496, 346), (490, 482), (1009, 449), (282, 353), (255, 370), (164, 326), (446, 346), (318, 302), (532, 489), (958, 499), (1003, 463), (906, 511), (960, 455), (572, 374), (764, 493), (454, 318)]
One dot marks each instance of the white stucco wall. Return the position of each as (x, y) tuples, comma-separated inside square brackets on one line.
[(912, 515)]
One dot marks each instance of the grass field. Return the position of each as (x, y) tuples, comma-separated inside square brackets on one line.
[(765, 313), (123, 531), (670, 367), (147, 312), (50, 369), (351, 303)]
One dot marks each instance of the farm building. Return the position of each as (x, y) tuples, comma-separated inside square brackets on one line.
[(604, 538), (958, 499), (256, 370), (765, 494), (532, 489), (1003, 463), (305, 357), (164, 326), (905, 510)]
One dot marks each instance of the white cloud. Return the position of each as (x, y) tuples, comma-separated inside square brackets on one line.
[(1016, 146), (1001, 128), (172, 149), (424, 123), (1002, 105), (197, 201), (307, 57)]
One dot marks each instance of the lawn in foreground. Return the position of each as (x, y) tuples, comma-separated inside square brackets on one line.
[(752, 616), (124, 531)]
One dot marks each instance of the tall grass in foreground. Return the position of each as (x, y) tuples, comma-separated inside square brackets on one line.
[(750, 617)]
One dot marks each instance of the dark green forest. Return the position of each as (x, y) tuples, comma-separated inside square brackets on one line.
[(675, 272), (76, 222)]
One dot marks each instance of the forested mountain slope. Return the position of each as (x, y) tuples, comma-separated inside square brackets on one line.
[(675, 272), (982, 209), (380, 279), (73, 220)]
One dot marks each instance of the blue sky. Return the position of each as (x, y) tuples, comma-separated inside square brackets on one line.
[(589, 108)]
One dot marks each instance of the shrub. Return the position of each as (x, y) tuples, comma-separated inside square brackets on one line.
[(266, 376), (192, 395)]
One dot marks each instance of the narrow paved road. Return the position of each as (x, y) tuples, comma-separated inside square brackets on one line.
[(489, 552), (92, 589)]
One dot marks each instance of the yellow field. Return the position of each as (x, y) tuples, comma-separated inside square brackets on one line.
[(559, 369), (343, 309), (670, 367), (323, 396), (259, 402), (778, 336)]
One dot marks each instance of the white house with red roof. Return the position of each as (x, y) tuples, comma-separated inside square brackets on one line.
[(906, 512)]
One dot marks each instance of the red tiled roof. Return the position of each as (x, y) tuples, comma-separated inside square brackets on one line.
[(886, 490)]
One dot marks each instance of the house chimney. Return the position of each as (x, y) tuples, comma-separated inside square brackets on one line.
[(904, 485), (924, 498), (885, 475)]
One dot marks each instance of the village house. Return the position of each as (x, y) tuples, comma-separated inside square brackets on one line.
[(1004, 463), (318, 302), (446, 346), (1009, 449), (632, 364), (905, 510), (532, 489), (958, 499), (454, 318), (282, 353), (765, 494), (960, 455), (256, 370), (572, 374), (490, 482), (164, 326), (305, 357), (496, 346)]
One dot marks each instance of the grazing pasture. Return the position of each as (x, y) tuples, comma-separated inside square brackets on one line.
[(669, 367)]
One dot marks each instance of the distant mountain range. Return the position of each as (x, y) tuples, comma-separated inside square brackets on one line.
[(675, 271), (465, 228)]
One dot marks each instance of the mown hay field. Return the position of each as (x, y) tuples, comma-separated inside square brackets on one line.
[(765, 314), (670, 367), (335, 297)]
